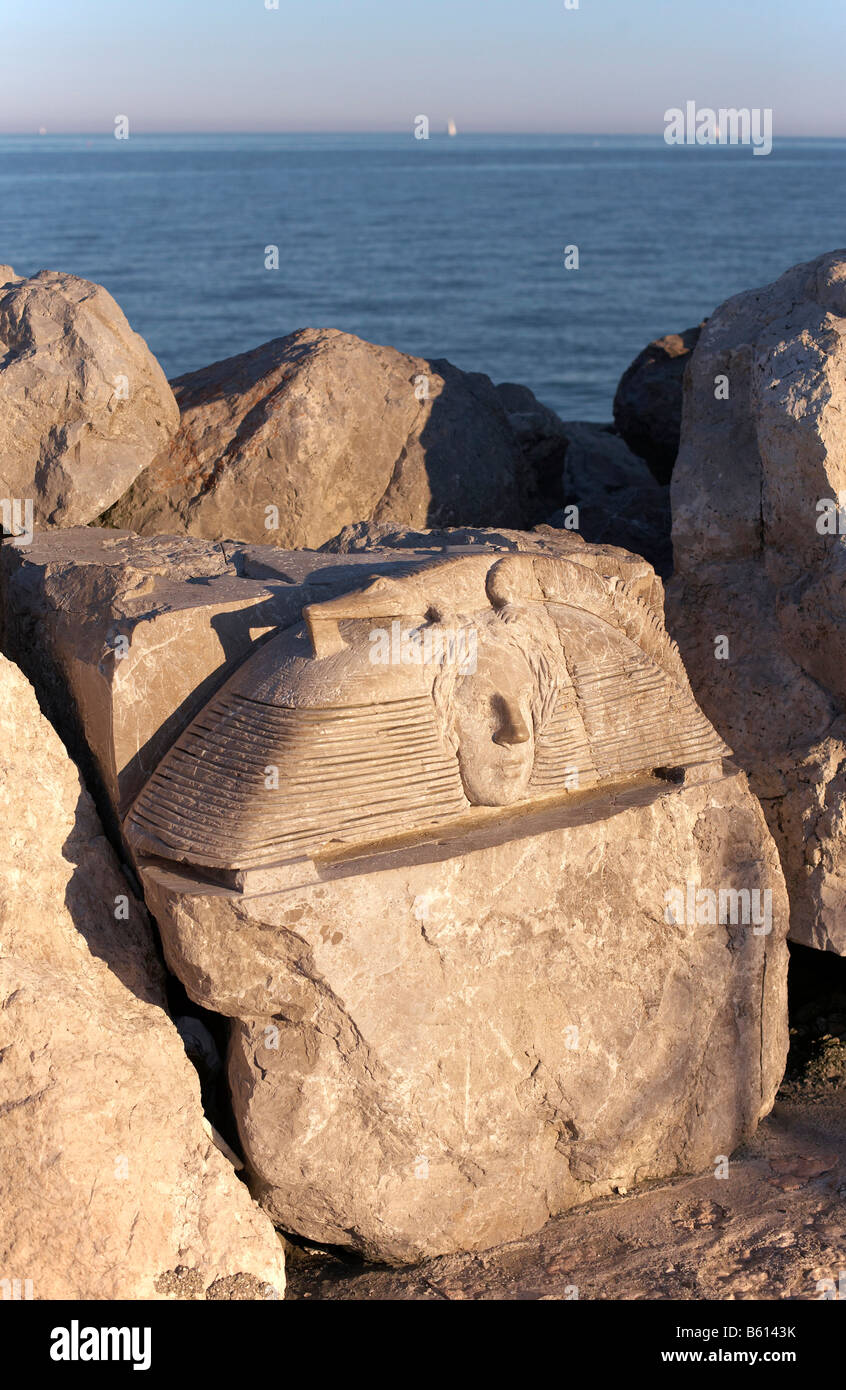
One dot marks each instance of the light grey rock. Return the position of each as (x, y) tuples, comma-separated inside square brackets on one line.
[(428, 1091), (757, 605), (435, 1048), (699, 1238), (126, 637)]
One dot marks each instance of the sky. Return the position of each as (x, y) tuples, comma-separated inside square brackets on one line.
[(607, 66)]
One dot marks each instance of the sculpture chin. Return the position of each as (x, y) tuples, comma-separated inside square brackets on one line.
[(499, 783)]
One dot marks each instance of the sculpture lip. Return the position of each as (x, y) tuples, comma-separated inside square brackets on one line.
[(510, 767)]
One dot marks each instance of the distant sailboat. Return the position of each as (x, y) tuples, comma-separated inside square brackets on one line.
[(452, 128)]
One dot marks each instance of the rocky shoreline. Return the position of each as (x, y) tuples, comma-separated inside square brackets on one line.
[(402, 1078)]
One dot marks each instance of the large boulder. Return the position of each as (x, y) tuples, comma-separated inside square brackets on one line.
[(543, 438), (757, 604), (292, 441), (111, 1183), (719, 1236), (648, 402), (437, 1049), (455, 1013), (84, 405)]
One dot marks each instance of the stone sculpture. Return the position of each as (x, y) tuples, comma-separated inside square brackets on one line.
[(414, 848), (470, 683)]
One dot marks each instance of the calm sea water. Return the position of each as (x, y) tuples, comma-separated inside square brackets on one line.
[(446, 248)]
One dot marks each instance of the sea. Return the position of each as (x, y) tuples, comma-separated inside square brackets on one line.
[(445, 247)]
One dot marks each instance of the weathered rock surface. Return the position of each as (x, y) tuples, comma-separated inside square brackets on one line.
[(402, 1082), (125, 637), (109, 1179), (436, 1044), (438, 1048), (758, 602), (648, 402), (329, 430), (84, 405), (773, 1227), (543, 438)]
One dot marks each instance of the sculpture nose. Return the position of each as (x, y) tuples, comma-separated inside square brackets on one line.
[(512, 726)]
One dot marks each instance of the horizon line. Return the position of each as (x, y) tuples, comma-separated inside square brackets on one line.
[(398, 130)]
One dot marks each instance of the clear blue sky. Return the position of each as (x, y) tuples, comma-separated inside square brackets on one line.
[(495, 65)]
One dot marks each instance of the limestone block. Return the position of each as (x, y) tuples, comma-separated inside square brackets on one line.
[(460, 855)]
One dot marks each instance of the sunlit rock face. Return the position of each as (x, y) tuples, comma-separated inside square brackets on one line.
[(497, 926), (309, 433), (84, 405), (757, 602), (110, 1181)]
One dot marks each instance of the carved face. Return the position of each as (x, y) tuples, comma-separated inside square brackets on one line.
[(364, 749), (493, 724)]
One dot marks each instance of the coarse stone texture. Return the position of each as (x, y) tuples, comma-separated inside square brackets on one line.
[(648, 402), (84, 405), (125, 637), (109, 1178), (370, 539), (439, 1046), (760, 564), (772, 1226), (328, 430), (542, 436), (459, 1001)]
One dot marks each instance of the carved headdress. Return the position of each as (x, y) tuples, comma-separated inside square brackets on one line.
[(399, 706)]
